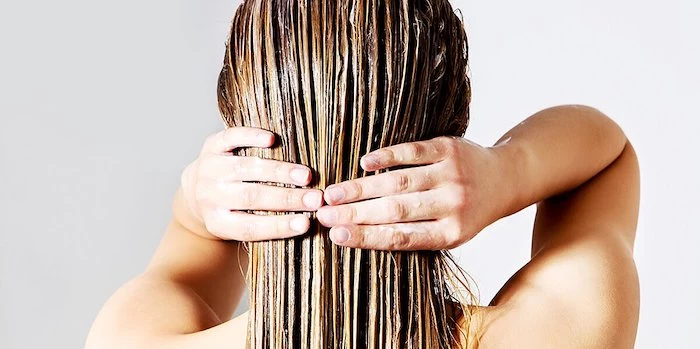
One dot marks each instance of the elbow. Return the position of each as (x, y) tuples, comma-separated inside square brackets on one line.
[(124, 321), (604, 128), (105, 333), (101, 337)]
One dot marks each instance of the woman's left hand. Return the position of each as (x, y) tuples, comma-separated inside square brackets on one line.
[(459, 189)]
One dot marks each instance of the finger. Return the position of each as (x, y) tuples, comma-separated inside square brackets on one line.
[(390, 183), (240, 226), (250, 168), (402, 208), (252, 196), (392, 237), (413, 153), (236, 137)]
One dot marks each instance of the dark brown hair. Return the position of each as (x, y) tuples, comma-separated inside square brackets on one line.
[(336, 80)]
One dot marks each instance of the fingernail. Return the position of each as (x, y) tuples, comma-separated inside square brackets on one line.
[(299, 224), (300, 175), (327, 216), (340, 235), (334, 194), (265, 137), (370, 161), (312, 200)]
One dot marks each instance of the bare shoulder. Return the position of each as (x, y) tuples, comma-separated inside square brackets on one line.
[(581, 288), (574, 302)]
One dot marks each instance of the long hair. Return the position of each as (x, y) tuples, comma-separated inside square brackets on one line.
[(336, 80)]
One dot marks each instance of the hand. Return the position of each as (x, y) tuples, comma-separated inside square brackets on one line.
[(444, 203), (214, 189)]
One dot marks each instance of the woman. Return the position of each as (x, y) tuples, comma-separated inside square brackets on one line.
[(579, 290)]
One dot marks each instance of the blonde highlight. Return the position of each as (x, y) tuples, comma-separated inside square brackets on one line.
[(336, 80)]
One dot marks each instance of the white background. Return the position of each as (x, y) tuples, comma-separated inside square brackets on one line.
[(102, 104)]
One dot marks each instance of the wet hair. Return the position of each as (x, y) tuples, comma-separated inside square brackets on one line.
[(336, 80)]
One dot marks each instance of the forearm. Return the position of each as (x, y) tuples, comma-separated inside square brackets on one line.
[(197, 276), (213, 269), (557, 150), (192, 284)]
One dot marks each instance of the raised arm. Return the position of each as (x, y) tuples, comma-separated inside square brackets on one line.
[(186, 296), (580, 290), (557, 150)]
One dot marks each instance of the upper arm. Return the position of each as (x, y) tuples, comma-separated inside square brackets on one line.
[(183, 299), (606, 207), (581, 289)]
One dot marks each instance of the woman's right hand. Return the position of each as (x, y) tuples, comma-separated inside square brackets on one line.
[(216, 187)]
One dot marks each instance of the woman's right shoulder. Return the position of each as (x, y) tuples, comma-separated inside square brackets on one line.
[(563, 304), (580, 289)]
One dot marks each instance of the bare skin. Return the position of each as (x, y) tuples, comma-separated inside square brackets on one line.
[(580, 289)]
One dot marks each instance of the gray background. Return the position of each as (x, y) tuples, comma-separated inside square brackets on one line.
[(103, 103)]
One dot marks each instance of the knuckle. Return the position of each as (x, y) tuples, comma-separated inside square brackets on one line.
[(282, 225), (459, 198), (291, 198), (450, 235), (206, 167), (353, 189), (279, 170), (397, 210), (444, 141), (212, 139), (358, 237), (246, 230), (428, 180), (402, 182), (185, 181), (452, 239), (212, 228), (234, 170), (449, 145), (349, 214), (254, 168), (282, 228), (451, 150), (248, 196), (220, 138), (212, 168), (212, 224), (453, 170), (229, 132), (433, 147), (190, 172), (387, 155), (414, 151), (399, 241)]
